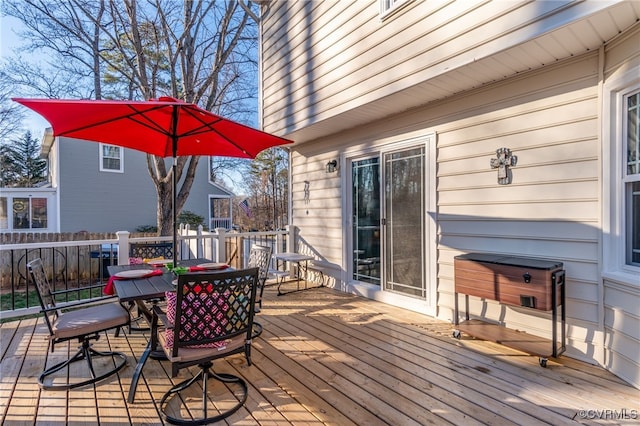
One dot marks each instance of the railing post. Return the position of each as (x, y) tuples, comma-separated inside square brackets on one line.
[(199, 243), (291, 247), (279, 242), (123, 247), (184, 243), (220, 244), (292, 236)]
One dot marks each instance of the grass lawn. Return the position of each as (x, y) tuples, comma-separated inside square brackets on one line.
[(23, 299)]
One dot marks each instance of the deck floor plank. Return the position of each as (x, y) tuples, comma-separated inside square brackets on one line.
[(437, 392), (542, 387), (390, 400), (460, 376), (567, 390), (454, 380), (19, 372), (306, 402), (328, 358)]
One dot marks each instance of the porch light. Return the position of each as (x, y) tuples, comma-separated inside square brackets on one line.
[(331, 166)]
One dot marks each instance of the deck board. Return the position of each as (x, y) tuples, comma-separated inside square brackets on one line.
[(328, 358)]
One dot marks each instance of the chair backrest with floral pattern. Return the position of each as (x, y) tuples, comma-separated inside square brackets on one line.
[(212, 307)]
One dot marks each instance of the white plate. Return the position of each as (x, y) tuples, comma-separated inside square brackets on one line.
[(213, 265), (133, 273)]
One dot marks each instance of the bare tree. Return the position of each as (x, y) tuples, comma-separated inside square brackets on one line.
[(197, 51), (11, 115), (268, 188)]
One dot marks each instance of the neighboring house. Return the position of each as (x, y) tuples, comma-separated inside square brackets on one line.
[(102, 188), (412, 99)]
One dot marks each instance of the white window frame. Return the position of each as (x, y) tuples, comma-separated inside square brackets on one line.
[(628, 179), (615, 180), (121, 158), (389, 7), (9, 199)]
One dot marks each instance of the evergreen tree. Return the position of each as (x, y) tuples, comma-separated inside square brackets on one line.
[(20, 162)]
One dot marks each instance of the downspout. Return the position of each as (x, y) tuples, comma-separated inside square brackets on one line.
[(601, 354)]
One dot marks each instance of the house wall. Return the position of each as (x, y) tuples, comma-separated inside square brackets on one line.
[(322, 58), (621, 294), (98, 201), (551, 119), (551, 210)]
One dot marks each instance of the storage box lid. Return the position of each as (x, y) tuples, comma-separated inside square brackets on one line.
[(502, 259)]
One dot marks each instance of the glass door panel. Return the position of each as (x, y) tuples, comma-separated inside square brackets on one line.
[(366, 220), (404, 219)]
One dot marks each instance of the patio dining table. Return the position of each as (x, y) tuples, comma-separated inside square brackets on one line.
[(142, 290)]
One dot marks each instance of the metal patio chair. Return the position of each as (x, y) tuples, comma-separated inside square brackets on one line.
[(82, 320), (259, 257), (151, 250), (210, 316)]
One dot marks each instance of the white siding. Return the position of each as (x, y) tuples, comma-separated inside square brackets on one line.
[(334, 65), (551, 210), (621, 298), (323, 58)]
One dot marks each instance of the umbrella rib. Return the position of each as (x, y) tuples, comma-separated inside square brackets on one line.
[(150, 124), (208, 126)]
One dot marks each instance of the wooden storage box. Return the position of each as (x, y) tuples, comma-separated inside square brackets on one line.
[(510, 280)]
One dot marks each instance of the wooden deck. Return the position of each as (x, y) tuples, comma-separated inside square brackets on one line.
[(330, 358)]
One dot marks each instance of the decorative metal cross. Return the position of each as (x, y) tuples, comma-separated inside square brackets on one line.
[(502, 163)]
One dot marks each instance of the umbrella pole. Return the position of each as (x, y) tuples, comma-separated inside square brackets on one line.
[(174, 143), (175, 211)]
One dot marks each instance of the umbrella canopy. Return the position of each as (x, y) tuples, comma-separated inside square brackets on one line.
[(165, 127)]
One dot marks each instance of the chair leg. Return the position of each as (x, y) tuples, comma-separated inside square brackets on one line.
[(136, 317), (87, 353), (206, 372), (257, 330)]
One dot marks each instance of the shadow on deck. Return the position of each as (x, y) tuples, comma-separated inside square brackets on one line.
[(326, 357)]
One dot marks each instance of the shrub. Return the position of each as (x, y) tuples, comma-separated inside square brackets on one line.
[(190, 218)]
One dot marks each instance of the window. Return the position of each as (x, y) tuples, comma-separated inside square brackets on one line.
[(111, 158), (387, 6), (621, 175), (4, 213), (28, 213), (631, 178)]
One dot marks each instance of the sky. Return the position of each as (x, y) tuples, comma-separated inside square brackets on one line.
[(8, 42)]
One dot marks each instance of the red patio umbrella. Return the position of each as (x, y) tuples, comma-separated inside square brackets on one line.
[(165, 127)]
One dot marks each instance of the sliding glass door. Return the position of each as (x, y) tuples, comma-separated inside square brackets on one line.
[(366, 220), (388, 221), (404, 220)]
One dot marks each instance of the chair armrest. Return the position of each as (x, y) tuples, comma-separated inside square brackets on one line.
[(76, 290), (158, 313), (78, 303)]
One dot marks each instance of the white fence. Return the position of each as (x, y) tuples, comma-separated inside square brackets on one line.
[(75, 264)]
